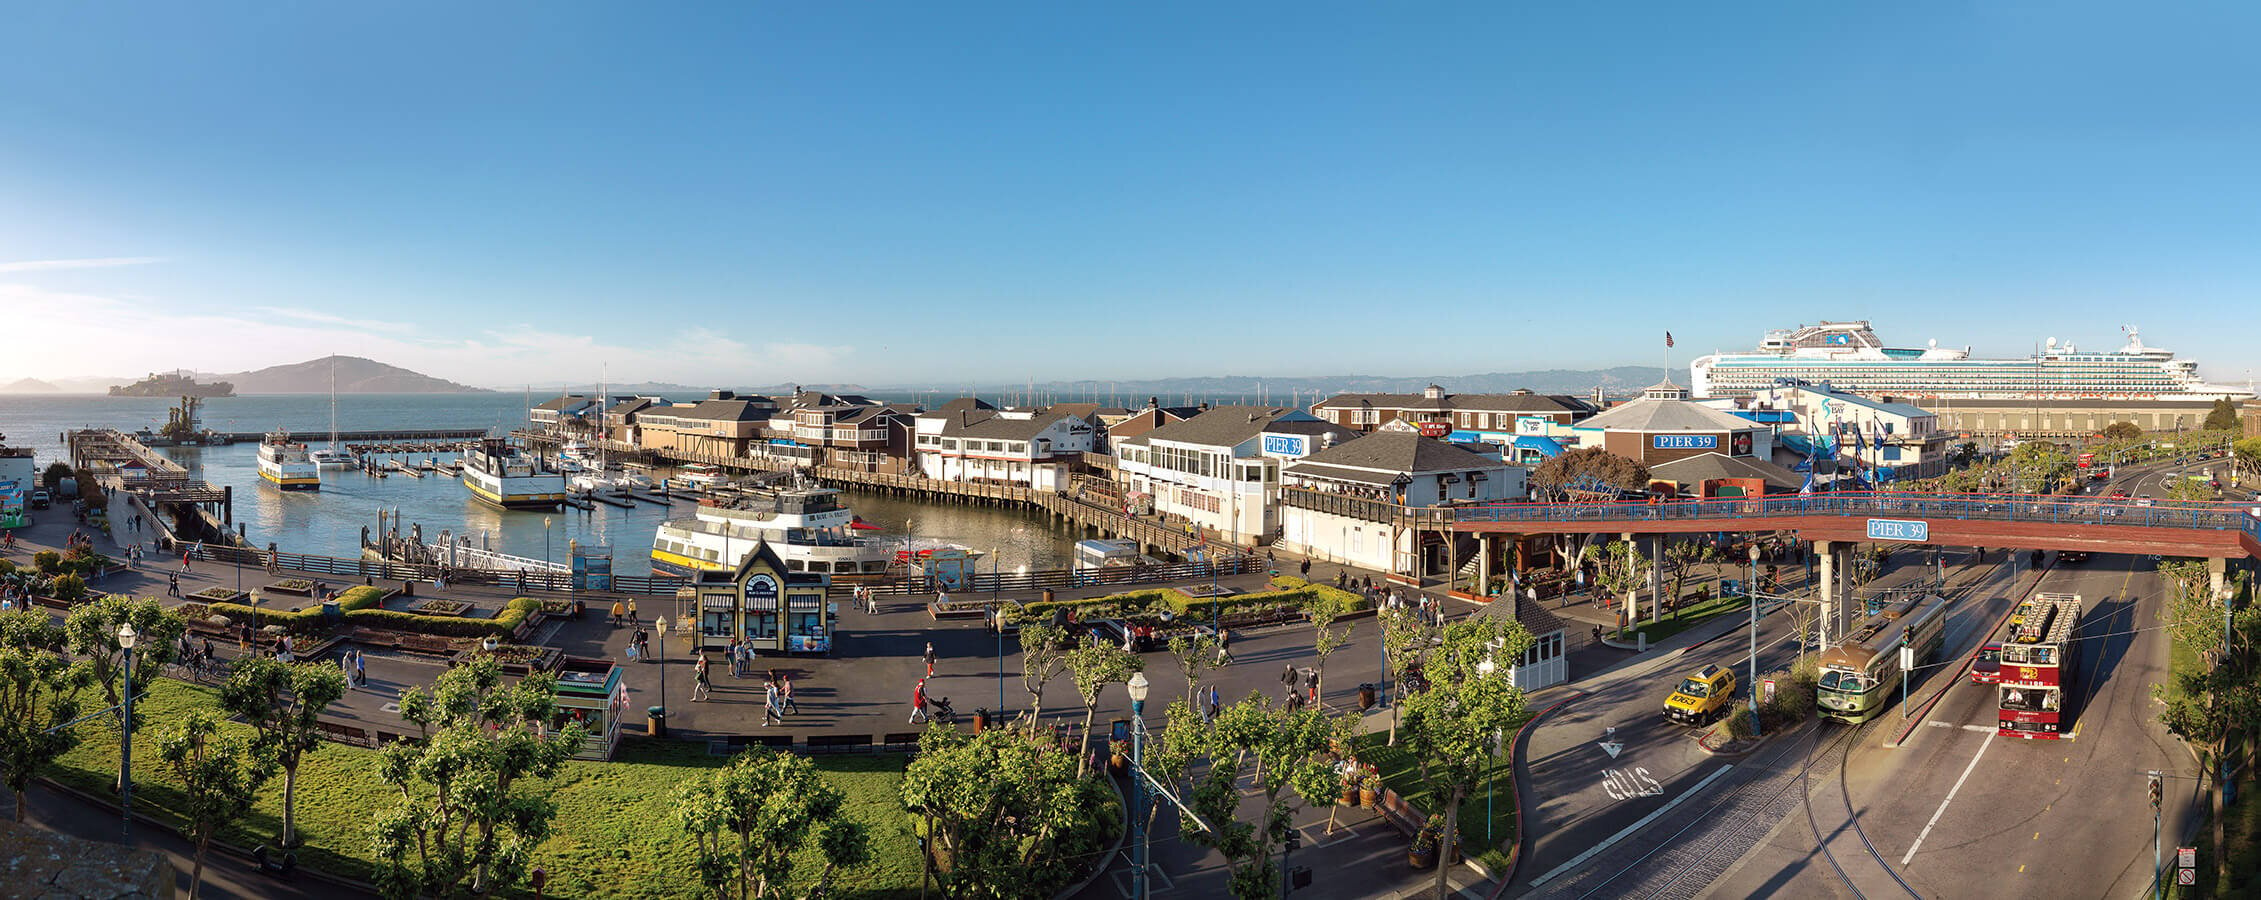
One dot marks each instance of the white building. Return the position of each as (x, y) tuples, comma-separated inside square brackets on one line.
[(1880, 440), (1221, 468), (970, 441), (551, 413), (1346, 502)]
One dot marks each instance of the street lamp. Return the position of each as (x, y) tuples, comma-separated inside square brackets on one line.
[(1752, 593), (659, 628), (126, 639), (1138, 687), (545, 548)]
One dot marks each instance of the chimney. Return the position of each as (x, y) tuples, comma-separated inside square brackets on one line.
[(1153, 403)]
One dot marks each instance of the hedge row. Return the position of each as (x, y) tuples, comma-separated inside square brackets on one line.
[(1286, 591), (359, 606)]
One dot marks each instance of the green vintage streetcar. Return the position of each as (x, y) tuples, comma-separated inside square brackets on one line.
[(1859, 675)]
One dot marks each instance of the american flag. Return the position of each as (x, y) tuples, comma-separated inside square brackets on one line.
[(1668, 339)]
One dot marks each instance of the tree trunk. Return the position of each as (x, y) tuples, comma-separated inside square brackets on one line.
[(1444, 844), (20, 802), (2221, 854), (1083, 755), (290, 805), (196, 874)]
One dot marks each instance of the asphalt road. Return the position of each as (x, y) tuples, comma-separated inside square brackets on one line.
[(1960, 812), (1598, 815)]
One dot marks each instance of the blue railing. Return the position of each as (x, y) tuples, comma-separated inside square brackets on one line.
[(1992, 507)]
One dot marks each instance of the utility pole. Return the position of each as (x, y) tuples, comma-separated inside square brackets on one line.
[(2158, 871)]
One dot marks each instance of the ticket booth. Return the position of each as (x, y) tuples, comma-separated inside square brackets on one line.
[(764, 606), (589, 692)]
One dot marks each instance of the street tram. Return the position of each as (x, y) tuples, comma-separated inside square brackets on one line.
[(1859, 675), (2038, 658)]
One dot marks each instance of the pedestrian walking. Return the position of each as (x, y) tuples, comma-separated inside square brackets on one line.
[(769, 704), (930, 659), (173, 585), (184, 562), (1311, 679), (360, 668), (737, 663), (643, 641), (1288, 678), (1224, 647), (918, 703), (632, 611), (619, 612), (699, 684), (345, 665), (785, 689), (1216, 705), (1305, 568)]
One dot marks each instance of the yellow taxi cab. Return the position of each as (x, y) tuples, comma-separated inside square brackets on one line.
[(1701, 697)]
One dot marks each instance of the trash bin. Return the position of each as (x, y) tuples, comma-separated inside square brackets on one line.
[(655, 721), (1047, 595), (980, 719), (1365, 696), (331, 613)]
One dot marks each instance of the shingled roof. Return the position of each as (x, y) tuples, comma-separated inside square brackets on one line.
[(1224, 426), (1665, 415), (1396, 451)]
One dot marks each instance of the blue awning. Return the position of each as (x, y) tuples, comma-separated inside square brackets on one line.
[(1544, 445)]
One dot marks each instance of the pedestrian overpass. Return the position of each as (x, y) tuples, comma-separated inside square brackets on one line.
[(1834, 522)]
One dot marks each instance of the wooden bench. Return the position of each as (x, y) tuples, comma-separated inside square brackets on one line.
[(900, 739), (1403, 816), (344, 734), (837, 743)]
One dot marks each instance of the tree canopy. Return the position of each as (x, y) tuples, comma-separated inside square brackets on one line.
[(1004, 812), (2122, 431), (2223, 417), (1590, 468)]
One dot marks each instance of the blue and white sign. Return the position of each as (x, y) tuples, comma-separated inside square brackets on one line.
[(1684, 442), (1283, 445), (1532, 424), (1898, 530)]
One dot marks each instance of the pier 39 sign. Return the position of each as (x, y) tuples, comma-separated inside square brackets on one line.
[(1684, 442), (1898, 530)]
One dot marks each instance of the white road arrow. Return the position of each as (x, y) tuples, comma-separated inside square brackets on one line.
[(1612, 748)]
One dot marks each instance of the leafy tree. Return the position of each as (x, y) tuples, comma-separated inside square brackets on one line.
[(844, 844), (91, 633), (458, 818), (1324, 609), (1588, 470), (1290, 749), (1680, 560), (52, 477), (1623, 569), (283, 703), (220, 776), (749, 818), (1005, 813), (1095, 667), (1043, 655), (2122, 431), (1195, 654), (2180, 488), (2212, 708), (39, 691), (1450, 727), (1404, 637), (2223, 417), (1168, 754), (2245, 454)]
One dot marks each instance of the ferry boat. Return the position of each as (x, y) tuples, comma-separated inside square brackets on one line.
[(1848, 356), (286, 464), (806, 526), (698, 477), (501, 475)]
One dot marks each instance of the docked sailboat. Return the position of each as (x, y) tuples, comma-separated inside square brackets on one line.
[(806, 526), (502, 475), (333, 456), (286, 464)]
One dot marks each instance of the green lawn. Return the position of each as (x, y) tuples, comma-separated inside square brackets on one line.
[(1402, 774), (1684, 618), (614, 835)]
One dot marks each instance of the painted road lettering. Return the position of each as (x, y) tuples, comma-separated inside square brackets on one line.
[(1626, 784)]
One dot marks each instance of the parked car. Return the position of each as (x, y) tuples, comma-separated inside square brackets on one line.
[(40, 500), (1703, 696)]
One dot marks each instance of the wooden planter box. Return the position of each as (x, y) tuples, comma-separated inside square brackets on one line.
[(220, 595), (301, 586), (442, 608), (518, 659)]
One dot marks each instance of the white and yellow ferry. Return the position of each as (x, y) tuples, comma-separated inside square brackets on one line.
[(806, 526), (497, 473), (286, 464)]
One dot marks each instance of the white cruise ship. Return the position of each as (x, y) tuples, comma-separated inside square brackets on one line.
[(806, 526), (497, 473), (1849, 357), (286, 464)]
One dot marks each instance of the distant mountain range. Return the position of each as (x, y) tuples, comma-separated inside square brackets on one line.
[(28, 386), (354, 376), (675, 391), (1618, 380)]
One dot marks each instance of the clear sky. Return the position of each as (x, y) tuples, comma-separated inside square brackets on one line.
[(892, 193)]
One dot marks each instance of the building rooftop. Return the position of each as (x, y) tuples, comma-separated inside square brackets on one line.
[(1223, 426), (1665, 415), (1396, 451), (1715, 465)]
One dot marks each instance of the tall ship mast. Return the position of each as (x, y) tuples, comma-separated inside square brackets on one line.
[(1849, 357)]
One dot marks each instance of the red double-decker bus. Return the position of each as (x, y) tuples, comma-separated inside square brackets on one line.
[(2039, 655)]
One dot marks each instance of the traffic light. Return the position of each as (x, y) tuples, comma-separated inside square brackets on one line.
[(2157, 789), (1295, 838)]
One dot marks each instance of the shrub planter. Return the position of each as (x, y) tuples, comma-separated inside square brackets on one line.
[(219, 595), (443, 608), (300, 586)]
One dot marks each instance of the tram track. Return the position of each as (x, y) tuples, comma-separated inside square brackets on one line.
[(1841, 750)]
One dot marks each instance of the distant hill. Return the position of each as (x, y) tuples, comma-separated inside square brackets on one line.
[(28, 386), (355, 376), (690, 391)]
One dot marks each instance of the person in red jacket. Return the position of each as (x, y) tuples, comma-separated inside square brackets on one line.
[(918, 702)]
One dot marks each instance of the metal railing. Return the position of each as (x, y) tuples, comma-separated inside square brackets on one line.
[(2038, 508)]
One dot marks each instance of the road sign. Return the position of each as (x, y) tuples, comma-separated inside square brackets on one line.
[(1907, 658), (2186, 857), (1898, 530), (2186, 876)]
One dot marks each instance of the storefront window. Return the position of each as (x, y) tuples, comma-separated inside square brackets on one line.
[(761, 626), (807, 623), (715, 624)]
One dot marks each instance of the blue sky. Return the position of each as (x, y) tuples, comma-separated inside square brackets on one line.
[(896, 193)]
